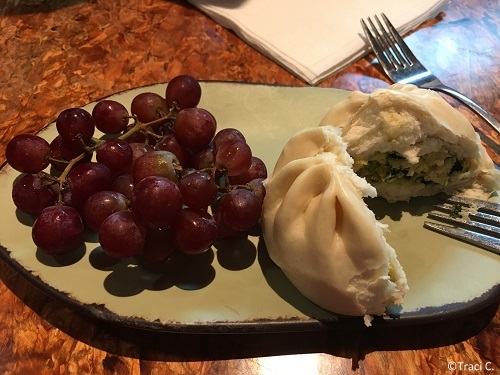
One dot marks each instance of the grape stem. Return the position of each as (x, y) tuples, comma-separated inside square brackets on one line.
[(97, 143), (152, 134), (226, 188), (47, 179), (62, 178), (54, 160), (138, 126)]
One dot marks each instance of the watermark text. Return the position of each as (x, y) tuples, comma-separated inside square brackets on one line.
[(464, 366)]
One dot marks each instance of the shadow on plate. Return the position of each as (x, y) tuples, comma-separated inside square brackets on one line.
[(418, 206), (61, 260), (24, 218), (131, 276)]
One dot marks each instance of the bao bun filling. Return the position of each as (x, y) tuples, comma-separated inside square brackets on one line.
[(439, 167)]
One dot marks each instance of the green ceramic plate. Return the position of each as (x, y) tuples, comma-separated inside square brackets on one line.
[(235, 287)]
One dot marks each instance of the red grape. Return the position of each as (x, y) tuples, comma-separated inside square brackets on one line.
[(194, 127), (124, 184), (184, 90), (257, 169), (156, 163), (73, 123), (195, 231), (31, 196), (148, 106), (223, 231), (116, 154), (157, 201), (234, 157), (28, 153), (138, 149), (225, 135), (58, 230), (110, 116), (100, 205), (240, 209), (198, 190), (203, 159), (121, 235), (256, 186), (60, 151), (88, 178), (170, 143)]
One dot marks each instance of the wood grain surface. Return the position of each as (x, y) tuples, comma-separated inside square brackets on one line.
[(60, 54)]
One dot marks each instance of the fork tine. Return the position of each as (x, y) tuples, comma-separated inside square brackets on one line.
[(473, 214), (469, 214), (474, 238), (489, 228), (385, 42), (491, 207), (408, 55), (391, 47), (377, 47)]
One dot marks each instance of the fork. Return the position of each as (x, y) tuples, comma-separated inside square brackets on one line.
[(401, 65), (474, 221)]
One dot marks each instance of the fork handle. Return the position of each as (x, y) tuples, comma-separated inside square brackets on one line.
[(469, 103)]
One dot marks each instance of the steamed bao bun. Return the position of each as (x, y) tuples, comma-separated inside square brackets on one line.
[(319, 231), (410, 142)]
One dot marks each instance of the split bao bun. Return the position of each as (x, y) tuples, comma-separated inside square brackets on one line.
[(397, 143), (410, 142)]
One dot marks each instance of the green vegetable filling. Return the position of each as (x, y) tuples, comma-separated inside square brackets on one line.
[(431, 168)]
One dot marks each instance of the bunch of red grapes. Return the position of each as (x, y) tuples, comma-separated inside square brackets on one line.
[(162, 179)]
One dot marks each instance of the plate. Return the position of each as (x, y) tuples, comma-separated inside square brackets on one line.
[(235, 287)]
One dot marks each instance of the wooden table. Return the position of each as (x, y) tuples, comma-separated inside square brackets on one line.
[(60, 54)]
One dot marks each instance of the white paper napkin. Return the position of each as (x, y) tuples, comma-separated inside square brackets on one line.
[(313, 38)]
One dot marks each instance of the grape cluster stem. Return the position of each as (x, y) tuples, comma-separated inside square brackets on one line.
[(138, 126)]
